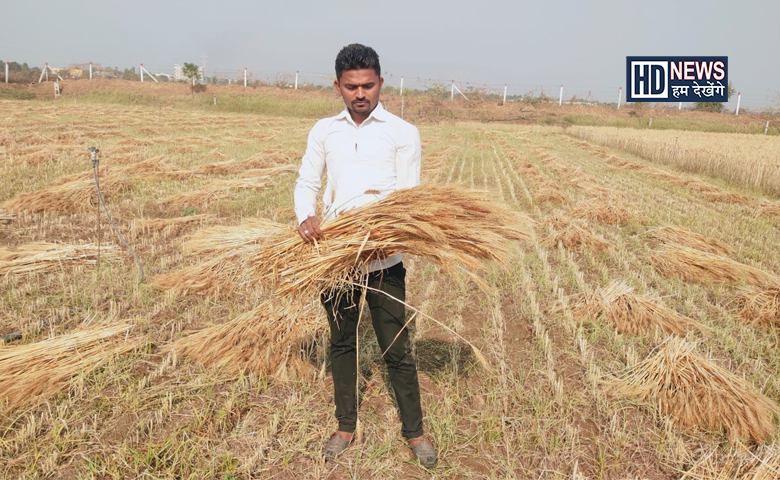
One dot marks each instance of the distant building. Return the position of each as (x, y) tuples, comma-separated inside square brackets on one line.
[(178, 74), (75, 72)]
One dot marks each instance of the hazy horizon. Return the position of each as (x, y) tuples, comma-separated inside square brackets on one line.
[(527, 46)]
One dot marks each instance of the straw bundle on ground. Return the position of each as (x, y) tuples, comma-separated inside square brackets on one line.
[(236, 166), (159, 224), (760, 306), (35, 158), (70, 197), (270, 171), (228, 251), (267, 340), (681, 236), (573, 234), (624, 164), (607, 209), (695, 265), (763, 464), (769, 209), (455, 227), (156, 168), (692, 390), (656, 173), (44, 256), (31, 373), (631, 312), (725, 197), (551, 194), (215, 191)]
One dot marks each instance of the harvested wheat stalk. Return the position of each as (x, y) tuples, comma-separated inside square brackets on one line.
[(71, 197), (31, 373), (760, 306), (215, 191), (692, 390), (686, 238), (452, 226), (632, 313), (769, 209), (607, 209), (573, 234), (763, 464), (158, 224), (695, 265), (266, 341), (44, 256)]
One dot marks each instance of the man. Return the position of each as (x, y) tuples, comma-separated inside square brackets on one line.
[(364, 148)]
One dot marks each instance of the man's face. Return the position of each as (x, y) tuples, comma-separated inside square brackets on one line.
[(360, 89)]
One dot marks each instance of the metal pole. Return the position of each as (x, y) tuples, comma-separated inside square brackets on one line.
[(620, 96), (6, 72), (679, 107), (296, 79), (560, 97), (504, 101), (766, 127), (739, 100), (46, 69), (142, 73), (90, 70), (244, 77), (401, 92)]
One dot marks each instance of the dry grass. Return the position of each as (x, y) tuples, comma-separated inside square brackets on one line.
[(769, 209), (606, 209), (71, 197), (692, 390), (44, 256), (632, 313), (217, 190), (268, 341), (686, 238), (760, 306), (160, 224), (238, 166), (573, 234), (156, 168), (31, 373), (695, 265), (448, 224), (743, 464)]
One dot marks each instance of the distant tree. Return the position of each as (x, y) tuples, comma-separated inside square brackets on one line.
[(190, 70), (715, 107), (129, 74)]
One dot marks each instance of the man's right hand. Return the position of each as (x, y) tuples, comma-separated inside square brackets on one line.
[(310, 229)]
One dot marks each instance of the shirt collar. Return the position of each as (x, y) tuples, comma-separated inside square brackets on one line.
[(378, 113)]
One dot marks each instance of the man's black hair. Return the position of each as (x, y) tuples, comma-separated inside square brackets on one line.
[(356, 57)]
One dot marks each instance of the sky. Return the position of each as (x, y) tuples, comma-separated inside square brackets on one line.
[(528, 45)]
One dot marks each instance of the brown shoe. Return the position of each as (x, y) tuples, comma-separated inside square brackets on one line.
[(425, 453), (335, 445)]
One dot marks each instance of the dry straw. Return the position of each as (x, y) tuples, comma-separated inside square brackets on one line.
[(760, 306), (269, 340), (237, 166), (160, 224), (606, 209), (216, 191), (692, 390), (763, 464), (631, 312), (71, 197), (769, 209), (686, 238), (573, 234), (448, 224), (44, 256), (695, 265), (31, 373)]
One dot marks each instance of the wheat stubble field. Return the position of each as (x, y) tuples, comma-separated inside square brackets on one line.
[(634, 334)]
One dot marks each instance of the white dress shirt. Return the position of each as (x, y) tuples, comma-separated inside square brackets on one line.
[(383, 153)]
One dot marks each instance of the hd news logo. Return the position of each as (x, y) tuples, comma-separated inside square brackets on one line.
[(677, 79)]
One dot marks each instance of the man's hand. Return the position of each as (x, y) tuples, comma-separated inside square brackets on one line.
[(310, 229)]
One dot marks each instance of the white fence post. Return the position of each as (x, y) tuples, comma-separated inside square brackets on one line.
[(401, 91), (6, 72), (244, 77), (296, 79), (452, 91), (766, 127), (142, 73), (90, 70), (504, 101), (560, 97), (679, 107), (739, 100), (620, 96)]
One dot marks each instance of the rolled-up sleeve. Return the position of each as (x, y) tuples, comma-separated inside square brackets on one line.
[(310, 174), (408, 159)]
